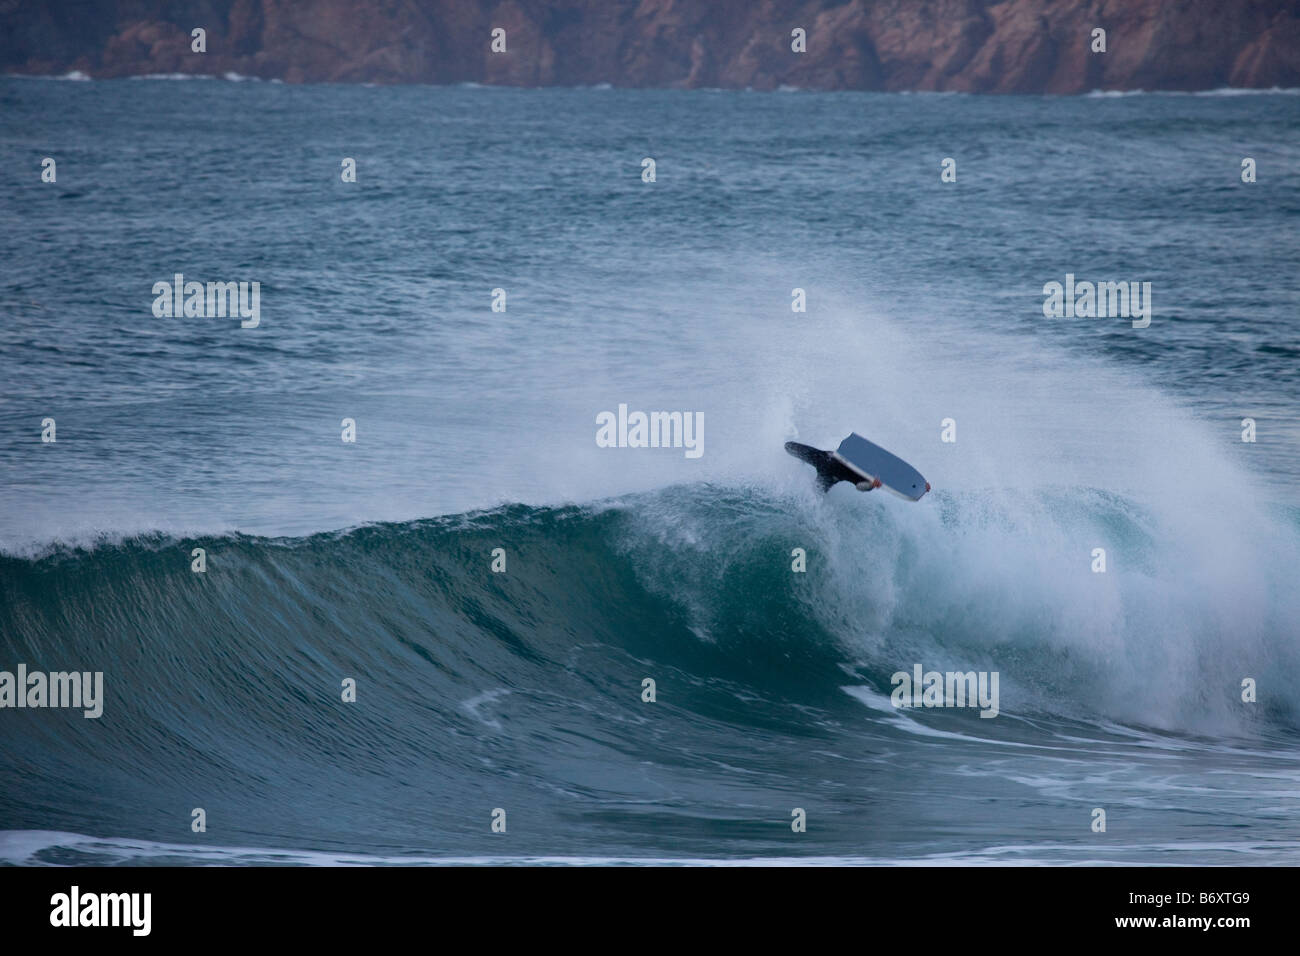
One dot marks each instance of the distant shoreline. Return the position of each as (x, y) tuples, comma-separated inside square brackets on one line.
[(1011, 46)]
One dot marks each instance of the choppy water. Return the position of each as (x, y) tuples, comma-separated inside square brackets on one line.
[(475, 430)]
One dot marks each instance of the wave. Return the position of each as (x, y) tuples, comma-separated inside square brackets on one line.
[(1220, 91), (700, 578), (37, 847), (75, 76), (174, 76), (477, 688)]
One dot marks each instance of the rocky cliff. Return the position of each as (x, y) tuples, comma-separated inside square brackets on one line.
[(1012, 46)]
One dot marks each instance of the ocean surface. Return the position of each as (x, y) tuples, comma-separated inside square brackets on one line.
[(476, 430)]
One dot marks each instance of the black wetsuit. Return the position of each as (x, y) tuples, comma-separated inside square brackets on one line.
[(829, 470)]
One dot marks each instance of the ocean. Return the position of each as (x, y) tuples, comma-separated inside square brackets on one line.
[(498, 587)]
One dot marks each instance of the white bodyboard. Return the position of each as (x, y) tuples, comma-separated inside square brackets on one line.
[(875, 464)]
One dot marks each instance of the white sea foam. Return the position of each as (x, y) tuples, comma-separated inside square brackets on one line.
[(1221, 91), (34, 847)]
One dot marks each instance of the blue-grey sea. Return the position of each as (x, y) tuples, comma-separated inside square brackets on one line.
[(1114, 526)]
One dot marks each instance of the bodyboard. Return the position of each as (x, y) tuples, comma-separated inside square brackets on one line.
[(875, 464)]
